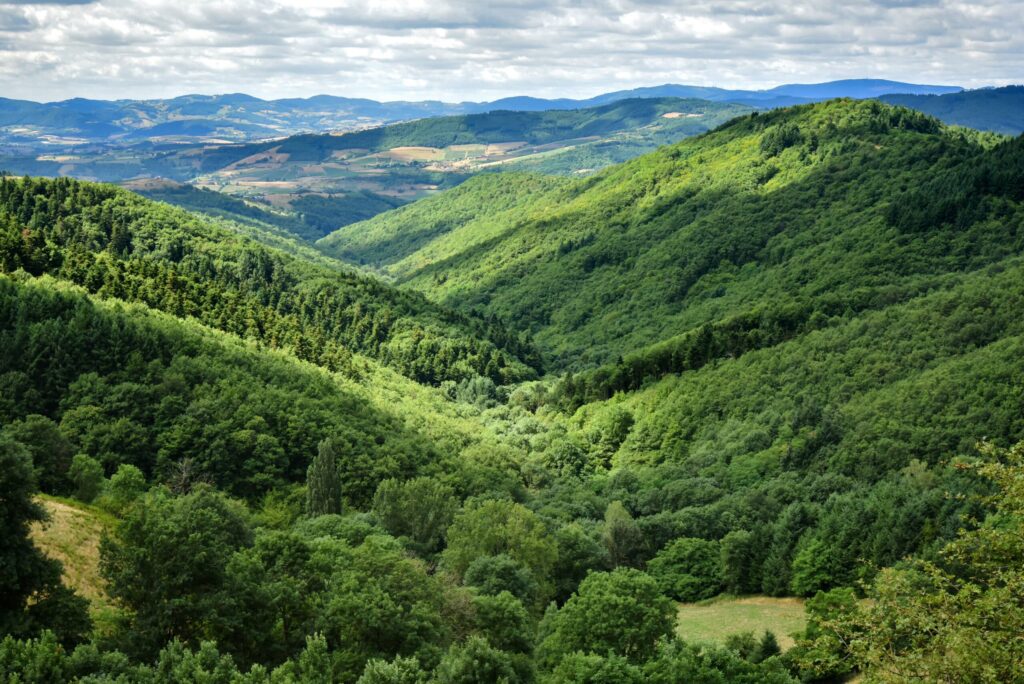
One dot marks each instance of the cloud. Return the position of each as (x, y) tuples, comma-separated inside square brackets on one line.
[(461, 49), (47, 2)]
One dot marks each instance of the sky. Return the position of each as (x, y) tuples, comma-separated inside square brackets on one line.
[(458, 50)]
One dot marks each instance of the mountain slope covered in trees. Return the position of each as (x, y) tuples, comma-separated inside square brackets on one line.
[(120, 245), (490, 204), (770, 355), (129, 385), (815, 209)]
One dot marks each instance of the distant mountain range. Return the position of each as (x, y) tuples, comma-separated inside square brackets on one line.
[(989, 109), (327, 181), (240, 117), (311, 184), (780, 96)]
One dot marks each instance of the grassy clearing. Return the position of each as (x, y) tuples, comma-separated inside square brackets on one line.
[(72, 536), (716, 619)]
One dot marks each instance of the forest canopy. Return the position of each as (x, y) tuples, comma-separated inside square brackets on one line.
[(781, 359)]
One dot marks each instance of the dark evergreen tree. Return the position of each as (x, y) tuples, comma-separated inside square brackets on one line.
[(323, 484)]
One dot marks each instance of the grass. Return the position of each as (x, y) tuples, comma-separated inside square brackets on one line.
[(72, 536), (718, 618)]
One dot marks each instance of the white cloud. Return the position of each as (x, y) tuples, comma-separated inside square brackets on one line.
[(462, 49)]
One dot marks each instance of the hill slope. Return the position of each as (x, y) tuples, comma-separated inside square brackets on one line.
[(127, 384), (785, 334), (406, 159), (489, 205), (307, 216), (820, 208), (121, 245), (833, 447), (310, 185), (1000, 110), (535, 128)]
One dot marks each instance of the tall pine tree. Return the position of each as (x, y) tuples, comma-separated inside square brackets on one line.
[(323, 483)]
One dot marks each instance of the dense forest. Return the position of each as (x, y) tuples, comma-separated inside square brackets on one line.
[(821, 207), (783, 358), (309, 217), (119, 245)]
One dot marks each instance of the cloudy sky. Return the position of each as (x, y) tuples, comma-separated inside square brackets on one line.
[(455, 50)]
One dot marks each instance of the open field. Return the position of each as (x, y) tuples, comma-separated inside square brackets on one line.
[(72, 536), (716, 619)]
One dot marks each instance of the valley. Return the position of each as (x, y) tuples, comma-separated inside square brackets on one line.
[(656, 390), (310, 185)]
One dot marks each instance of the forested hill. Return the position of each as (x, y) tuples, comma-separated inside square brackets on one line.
[(686, 116), (774, 352), (120, 245), (126, 385), (771, 222), (988, 109), (407, 238)]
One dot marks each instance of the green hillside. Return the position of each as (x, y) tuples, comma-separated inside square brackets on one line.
[(797, 305), (1000, 110), (489, 205), (328, 181), (780, 359), (147, 389), (120, 245), (816, 209), (535, 128), (312, 184), (306, 216)]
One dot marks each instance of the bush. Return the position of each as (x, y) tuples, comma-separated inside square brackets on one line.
[(87, 476), (688, 569), (125, 486)]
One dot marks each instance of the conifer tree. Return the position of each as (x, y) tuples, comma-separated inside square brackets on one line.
[(323, 483)]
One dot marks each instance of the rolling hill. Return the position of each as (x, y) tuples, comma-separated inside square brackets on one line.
[(820, 292), (310, 185), (542, 128), (793, 316), (756, 215), (401, 162), (756, 361), (307, 216), (246, 418), (1000, 110), (204, 118), (409, 160), (313, 184), (120, 245)]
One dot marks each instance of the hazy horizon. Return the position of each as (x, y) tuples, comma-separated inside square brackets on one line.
[(584, 96)]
